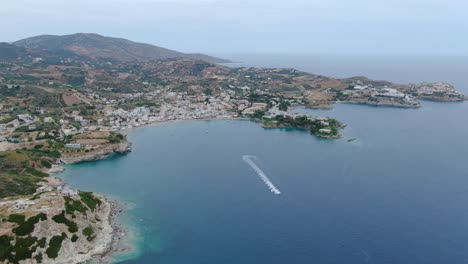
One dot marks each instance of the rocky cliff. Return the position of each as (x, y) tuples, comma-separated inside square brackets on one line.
[(98, 154)]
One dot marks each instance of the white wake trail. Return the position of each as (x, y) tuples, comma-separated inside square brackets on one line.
[(248, 160)]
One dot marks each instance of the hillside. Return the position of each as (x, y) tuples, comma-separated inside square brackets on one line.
[(8, 51), (95, 46)]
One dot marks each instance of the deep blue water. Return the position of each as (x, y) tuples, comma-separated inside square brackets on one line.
[(398, 194)]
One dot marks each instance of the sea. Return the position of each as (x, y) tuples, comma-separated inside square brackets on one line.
[(393, 190)]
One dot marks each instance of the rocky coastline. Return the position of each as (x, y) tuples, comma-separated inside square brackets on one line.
[(101, 154), (110, 236), (382, 104), (118, 234), (444, 98), (70, 226)]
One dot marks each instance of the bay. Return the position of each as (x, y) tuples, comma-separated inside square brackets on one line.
[(396, 194)]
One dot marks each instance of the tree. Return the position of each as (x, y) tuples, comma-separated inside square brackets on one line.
[(283, 105)]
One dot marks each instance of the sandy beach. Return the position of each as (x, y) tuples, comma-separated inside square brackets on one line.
[(126, 131)]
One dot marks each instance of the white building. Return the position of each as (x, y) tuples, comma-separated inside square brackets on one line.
[(325, 131), (73, 146)]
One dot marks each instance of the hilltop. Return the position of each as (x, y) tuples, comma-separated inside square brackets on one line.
[(97, 47)]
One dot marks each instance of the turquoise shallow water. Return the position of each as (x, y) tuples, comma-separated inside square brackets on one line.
[(397, 194)]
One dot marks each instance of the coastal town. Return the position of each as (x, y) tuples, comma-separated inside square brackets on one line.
[(58, 110), (31, 112)]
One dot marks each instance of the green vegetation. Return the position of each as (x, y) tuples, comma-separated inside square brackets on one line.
[(76, 124), (72, 205), (40, 153), (180, 88), (260, 98), (74, 238), (28, 78), (62, 219), (115, 137), (7, 119), (283, 105), (5, 247), (20, 249), (146, 103), (42, 242), (38, 258), (27, 227), (22, 129), (88, 232), (90, 200), (20, 172), (269, 123), (258, 114), (304, 122), (37, 195), (208, 91), (341, 96), (308, 87), (4, 91), (16, 218), (291, 89), (36, 173), (55, 245), (76, 81), (47, 164)]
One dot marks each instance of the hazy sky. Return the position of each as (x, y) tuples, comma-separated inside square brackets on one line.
[(253, 26)]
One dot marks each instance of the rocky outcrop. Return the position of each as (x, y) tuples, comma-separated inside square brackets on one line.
[(59, 225), (56, 169), (384, 103), (443, 97), (438, 91), (98, 154), (82, 249)]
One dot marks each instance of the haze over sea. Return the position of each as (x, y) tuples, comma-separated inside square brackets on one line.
[(397, 194)]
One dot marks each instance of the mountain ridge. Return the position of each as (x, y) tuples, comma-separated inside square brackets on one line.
[(95, 46)]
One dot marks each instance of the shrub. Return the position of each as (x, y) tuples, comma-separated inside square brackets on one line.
[(74, 205), (42, 242), (37, 195), (55, 245), (46, 163), (90, 200), (308, 87), (36, 173), (5, 247), (27, 227), (22, 249), (38, 258), (115, 137), (61, 219), (16, 218), (88, 231)]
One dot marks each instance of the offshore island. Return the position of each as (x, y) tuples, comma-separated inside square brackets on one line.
[(71, 99)]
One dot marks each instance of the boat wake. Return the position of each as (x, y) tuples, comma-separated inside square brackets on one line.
[(249, 160)]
